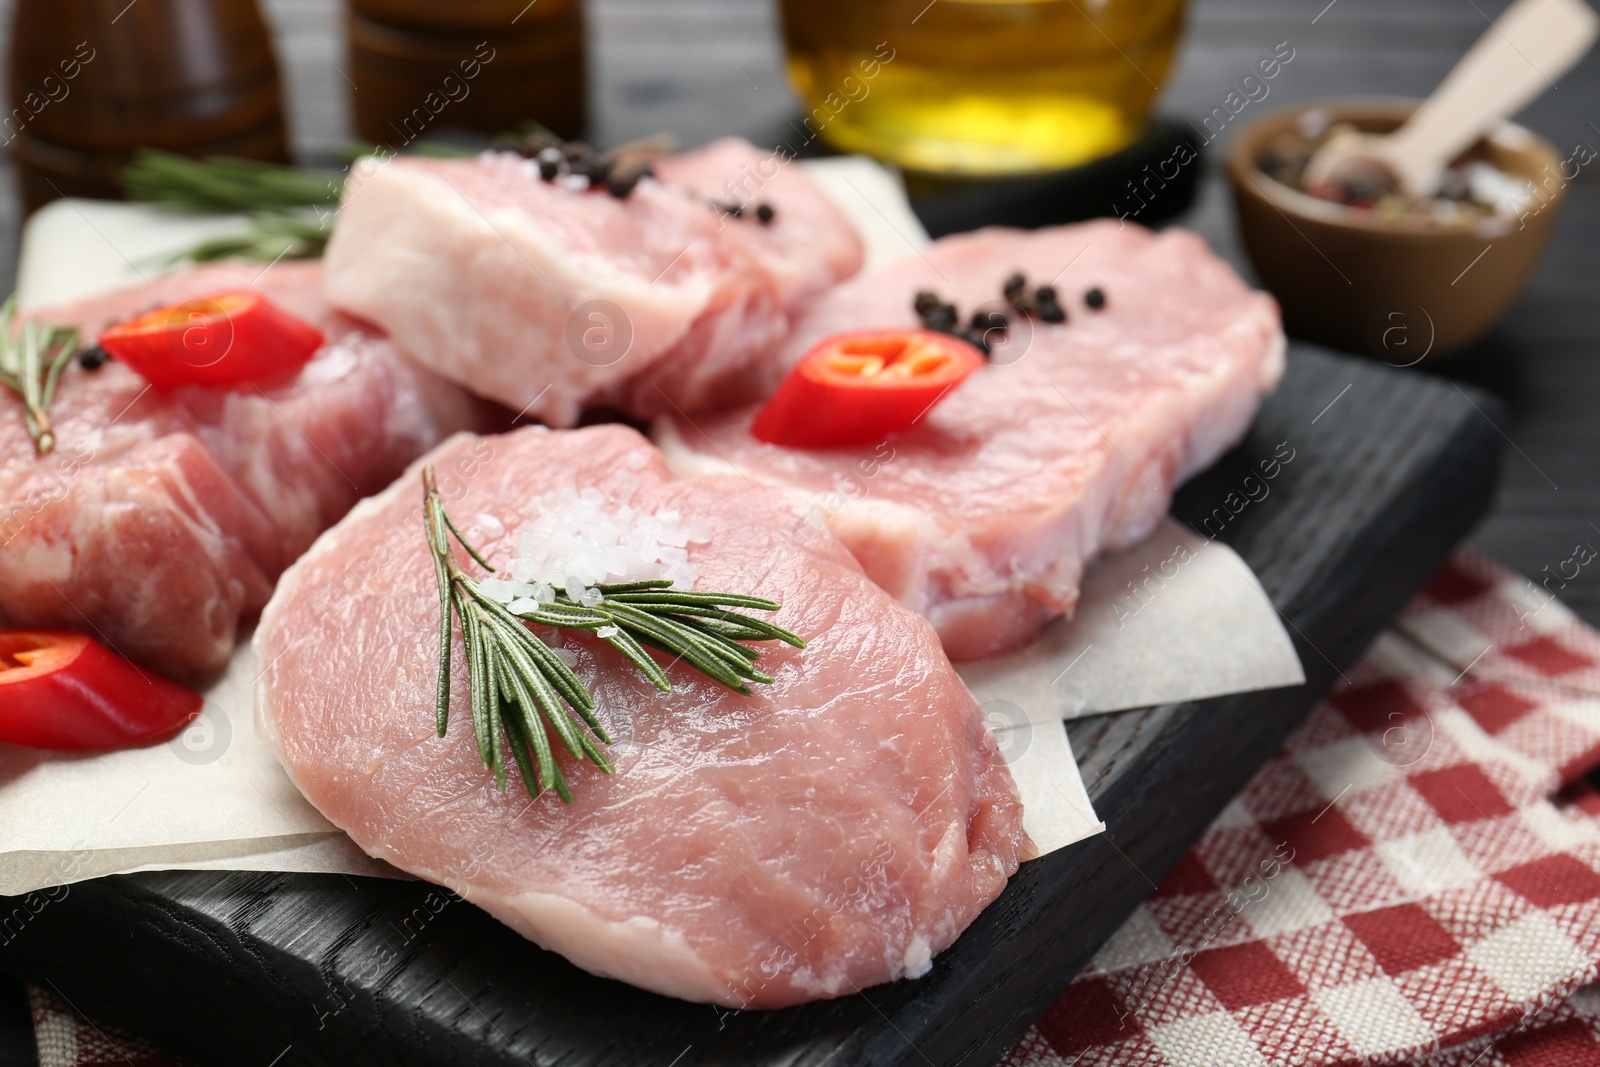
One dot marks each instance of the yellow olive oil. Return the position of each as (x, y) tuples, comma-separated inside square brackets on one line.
[(979, 86)]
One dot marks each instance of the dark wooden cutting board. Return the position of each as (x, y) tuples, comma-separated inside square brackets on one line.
[(1389, 472)]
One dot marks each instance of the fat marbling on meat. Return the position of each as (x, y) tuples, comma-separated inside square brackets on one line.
[(983, 516), (163, 516), (552, 299)]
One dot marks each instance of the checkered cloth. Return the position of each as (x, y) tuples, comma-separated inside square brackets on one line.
[(1414, 877), (66, 1039)]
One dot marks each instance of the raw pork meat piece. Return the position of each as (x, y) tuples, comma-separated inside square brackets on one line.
[(551, 299), (983, 516), (164, 516), (830, 832)]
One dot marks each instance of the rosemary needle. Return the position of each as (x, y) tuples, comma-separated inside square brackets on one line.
[(31, 362), (519, 687)]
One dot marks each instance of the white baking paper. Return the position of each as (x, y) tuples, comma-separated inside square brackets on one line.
[(1175, 618), (215, 798)]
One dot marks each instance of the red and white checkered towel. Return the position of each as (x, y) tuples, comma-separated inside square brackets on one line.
[(1415, 877)]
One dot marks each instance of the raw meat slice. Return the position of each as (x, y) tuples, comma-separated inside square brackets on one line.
[(833, 831), (983, 516), (551, 299), (164, 516)]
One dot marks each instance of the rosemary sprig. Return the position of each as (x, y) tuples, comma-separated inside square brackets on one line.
[(276, 195), (31, 362), (226, 183), (270, 236), (521, 688)]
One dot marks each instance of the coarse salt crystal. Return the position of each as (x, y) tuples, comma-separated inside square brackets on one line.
[(581, 538), (637, 460), (590, 598), (504, 591), (684, 574), (491, 526), (607, 631)]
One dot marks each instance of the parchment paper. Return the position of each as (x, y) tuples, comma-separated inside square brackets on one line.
[(215, 798), (1175, 618)]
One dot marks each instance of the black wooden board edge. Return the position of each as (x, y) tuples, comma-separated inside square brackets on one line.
[(16, 1027), (235, 968), (1195, 757)]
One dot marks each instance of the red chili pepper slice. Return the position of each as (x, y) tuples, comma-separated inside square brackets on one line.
[(63, 690), (226, 338), (857, 388)]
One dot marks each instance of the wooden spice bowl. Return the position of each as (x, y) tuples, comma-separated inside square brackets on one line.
[(1400, 288)]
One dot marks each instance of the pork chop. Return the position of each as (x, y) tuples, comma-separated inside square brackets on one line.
[(551, 299), (164, 516), (983, 516), (832, 831)]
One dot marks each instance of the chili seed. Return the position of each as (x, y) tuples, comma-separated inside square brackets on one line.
[(1095, 298), (93, 358), (765, 213)]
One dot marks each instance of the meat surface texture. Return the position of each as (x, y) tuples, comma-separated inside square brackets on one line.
[(832, 831), (164, 516), (983, 516), (550, 299)]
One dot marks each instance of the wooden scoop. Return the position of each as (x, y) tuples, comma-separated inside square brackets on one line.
[(1533, 43)]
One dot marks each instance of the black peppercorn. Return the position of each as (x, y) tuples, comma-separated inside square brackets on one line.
[(765, 213), (925, 300), (989, 320), (93, 358), (1095, 298), (529, 147), (1017, 295), (550, 161), (1049, 305), (942, 318)]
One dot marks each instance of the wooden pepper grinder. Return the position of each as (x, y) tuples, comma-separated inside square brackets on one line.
[(92, 80), (487, 65)]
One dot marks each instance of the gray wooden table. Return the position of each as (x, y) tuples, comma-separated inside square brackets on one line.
[(702, 68)]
